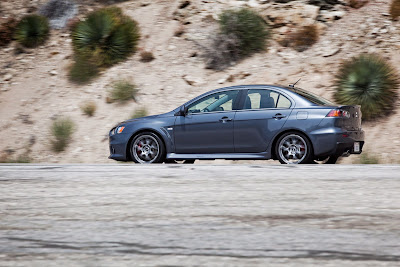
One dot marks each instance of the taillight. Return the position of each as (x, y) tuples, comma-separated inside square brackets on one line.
[(339, 113)]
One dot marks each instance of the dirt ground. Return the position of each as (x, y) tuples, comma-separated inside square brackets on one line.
[(34, 88)]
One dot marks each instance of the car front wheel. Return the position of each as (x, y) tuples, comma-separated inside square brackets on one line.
[(293, 148), (147, 148)]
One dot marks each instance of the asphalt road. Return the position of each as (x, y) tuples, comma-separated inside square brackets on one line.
[(199, 215)]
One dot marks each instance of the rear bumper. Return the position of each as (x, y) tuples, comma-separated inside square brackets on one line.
[(336, 142)]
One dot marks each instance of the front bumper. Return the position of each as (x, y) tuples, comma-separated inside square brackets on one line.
[(118, 147)]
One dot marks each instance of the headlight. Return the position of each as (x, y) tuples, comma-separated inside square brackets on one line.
[(120, 129)]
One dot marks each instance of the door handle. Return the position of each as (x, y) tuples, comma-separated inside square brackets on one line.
[(279, 116), (225, 119)]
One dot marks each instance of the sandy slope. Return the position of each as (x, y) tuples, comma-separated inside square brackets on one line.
[(35, 92)]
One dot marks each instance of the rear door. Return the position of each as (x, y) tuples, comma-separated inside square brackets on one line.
[(208, 126), (262, 116)]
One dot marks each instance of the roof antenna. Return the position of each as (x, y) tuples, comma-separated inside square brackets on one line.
[(292, 85)]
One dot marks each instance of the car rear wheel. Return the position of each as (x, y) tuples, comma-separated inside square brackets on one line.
[(293, 148), (147, 148)]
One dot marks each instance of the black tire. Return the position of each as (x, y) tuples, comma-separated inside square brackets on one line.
[(286, 148), (145, 144), (327, 160)]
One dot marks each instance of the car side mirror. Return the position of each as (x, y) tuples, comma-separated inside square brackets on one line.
[(182, 112)]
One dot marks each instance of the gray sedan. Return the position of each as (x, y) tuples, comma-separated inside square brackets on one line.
[(249, 122)]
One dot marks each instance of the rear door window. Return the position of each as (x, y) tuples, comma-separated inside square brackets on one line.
[(262, 99)]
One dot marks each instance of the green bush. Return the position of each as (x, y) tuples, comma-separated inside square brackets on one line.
[(369, 81), (106, 36), (61, 129), (247, 26), (138, 113), (122, 91), (32, 30), (395, 9), (7, 30), (89, 108), (82, 70)]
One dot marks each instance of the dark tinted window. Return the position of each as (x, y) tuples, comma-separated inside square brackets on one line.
[(262, 98), (313, 98)]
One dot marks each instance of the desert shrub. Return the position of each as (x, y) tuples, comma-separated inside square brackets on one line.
[(241, 32), (7, 30), (82, 70), (395, 9), (32, 30), (59, 12), (249, 27), (357, 3), (303, 38), (366, 158), (369, 81), (61, 129), (138, 113), (89, 108), (146, 56), (122, 91), (18, 159), (223, 52), (106, 36)]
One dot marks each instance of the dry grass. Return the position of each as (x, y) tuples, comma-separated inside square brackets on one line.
[(61, 129), (302, 39), (138, 113), (123, 91), (395, 9), (357, 3), (89, 108), (7, 30), (146, 56)]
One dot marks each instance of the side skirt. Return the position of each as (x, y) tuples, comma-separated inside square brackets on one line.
[(243, 156)]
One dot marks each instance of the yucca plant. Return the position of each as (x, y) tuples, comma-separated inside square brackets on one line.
[(370, 81), (106, 35), (395, 9), (247, 26), (32, 30)]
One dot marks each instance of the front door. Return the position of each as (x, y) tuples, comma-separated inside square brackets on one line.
[(208, 126)]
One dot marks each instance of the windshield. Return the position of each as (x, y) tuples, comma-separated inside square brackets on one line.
[(313, 98)]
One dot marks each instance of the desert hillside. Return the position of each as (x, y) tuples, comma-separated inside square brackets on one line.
[(35, 89)]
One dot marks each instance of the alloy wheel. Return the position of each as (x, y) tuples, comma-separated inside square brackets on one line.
[(146, 149), (293, 149)]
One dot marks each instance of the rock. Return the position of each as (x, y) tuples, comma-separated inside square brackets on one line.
[(191, 80), (295, 13), (327, 16), (252, 3), (221, 81), (8, 77)]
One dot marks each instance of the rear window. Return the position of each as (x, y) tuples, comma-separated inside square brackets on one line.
[(313, 98)]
